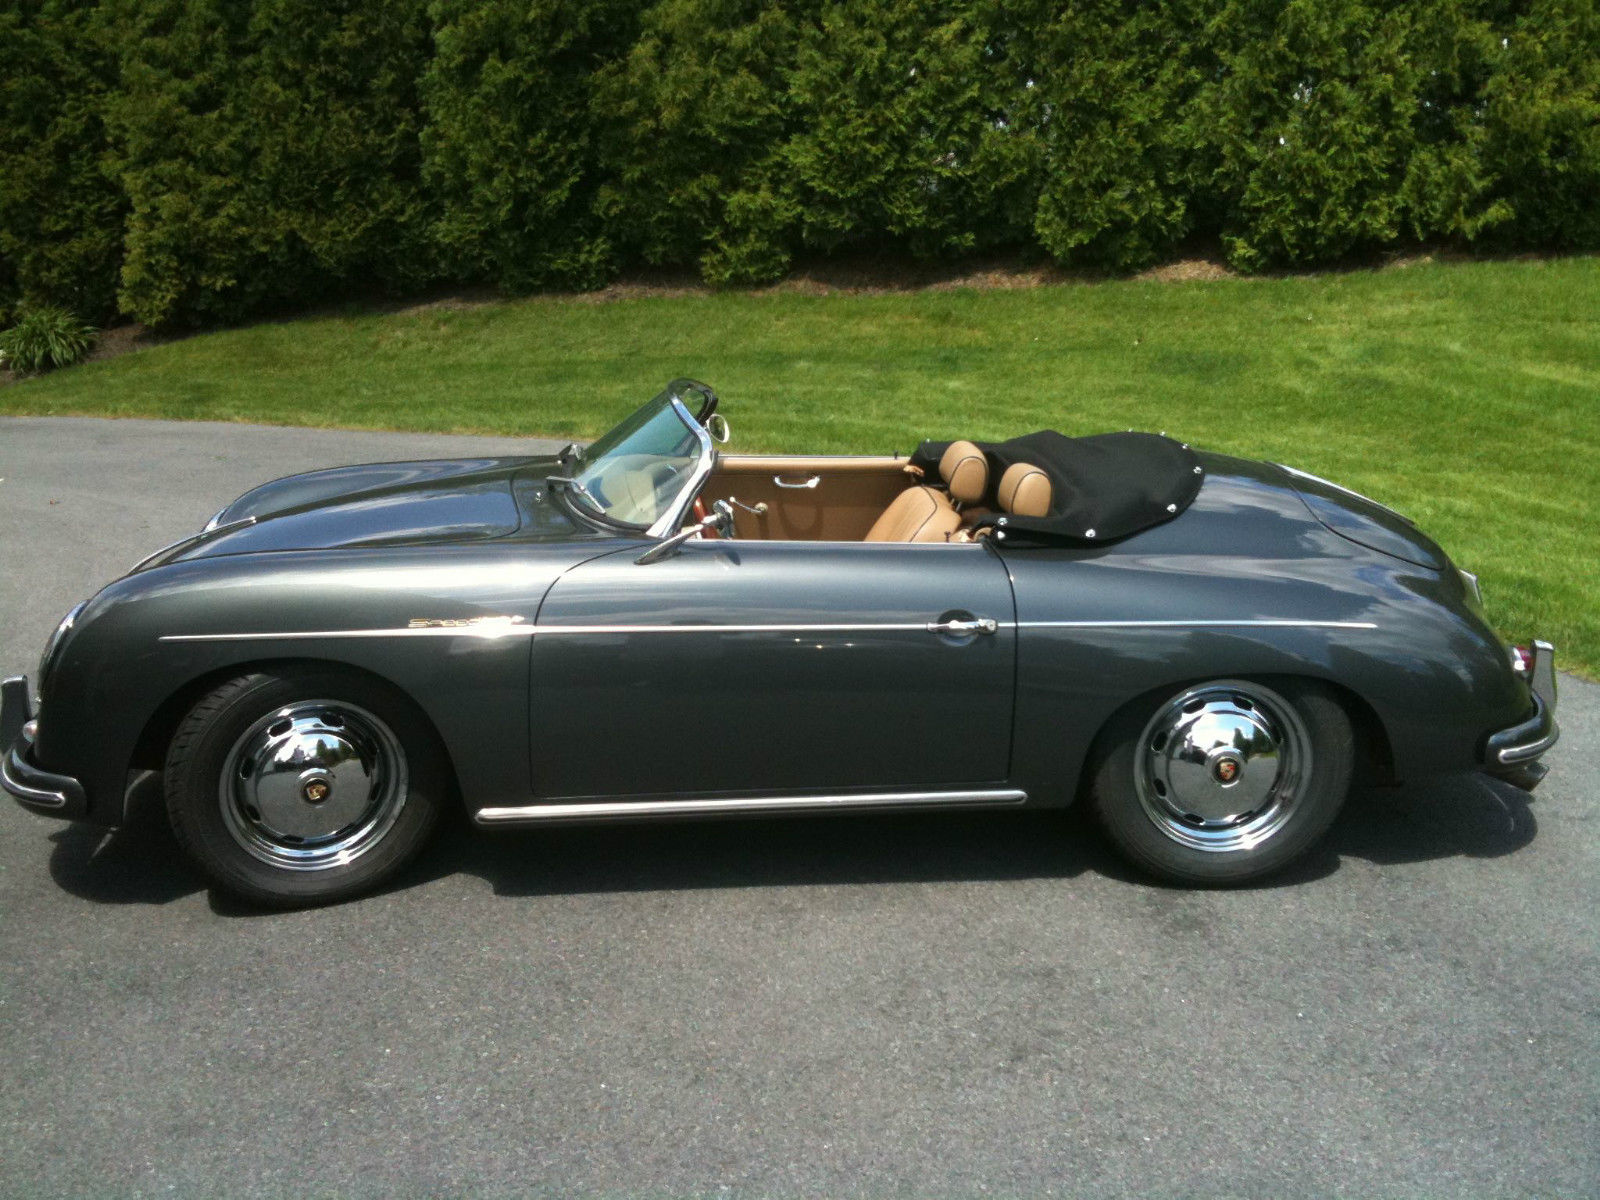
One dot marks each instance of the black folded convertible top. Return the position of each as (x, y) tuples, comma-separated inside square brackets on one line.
[(1101, 487)]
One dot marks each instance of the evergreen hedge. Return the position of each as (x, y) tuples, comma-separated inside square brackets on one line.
[(196, 161)]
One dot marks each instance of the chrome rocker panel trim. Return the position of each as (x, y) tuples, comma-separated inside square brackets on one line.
[(533, 814)]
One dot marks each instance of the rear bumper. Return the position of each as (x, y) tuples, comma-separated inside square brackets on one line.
[(1513, 753), (29, 785)]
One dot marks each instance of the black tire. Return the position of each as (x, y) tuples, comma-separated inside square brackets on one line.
[(1137, 799), (405, 775)]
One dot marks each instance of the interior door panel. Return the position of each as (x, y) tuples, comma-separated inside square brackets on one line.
[(848, 494)]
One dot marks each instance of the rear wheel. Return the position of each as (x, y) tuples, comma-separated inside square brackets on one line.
[(1224, 781), (303, 786)]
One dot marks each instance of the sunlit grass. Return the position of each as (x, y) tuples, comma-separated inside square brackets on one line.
[(1468, 395)]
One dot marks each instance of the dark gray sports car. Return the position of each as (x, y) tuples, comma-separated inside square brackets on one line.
[(1207, 649)]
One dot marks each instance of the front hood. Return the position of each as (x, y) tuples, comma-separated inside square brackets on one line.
[(407, 503)]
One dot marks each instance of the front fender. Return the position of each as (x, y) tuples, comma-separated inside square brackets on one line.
[(148, 637)]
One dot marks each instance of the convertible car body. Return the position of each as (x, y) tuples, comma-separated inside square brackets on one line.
[(650, 628)]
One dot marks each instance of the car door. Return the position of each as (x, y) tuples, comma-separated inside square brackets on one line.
[(773, 668)]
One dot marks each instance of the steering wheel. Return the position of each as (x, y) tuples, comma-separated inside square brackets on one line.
[(700, 514)]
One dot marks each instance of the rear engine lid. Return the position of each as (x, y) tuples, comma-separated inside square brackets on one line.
[(1365, 521)]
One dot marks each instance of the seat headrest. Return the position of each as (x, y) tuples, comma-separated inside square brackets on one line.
[(1024, 491), (965, 472)]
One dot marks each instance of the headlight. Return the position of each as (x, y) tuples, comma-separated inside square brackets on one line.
[(54, 644)]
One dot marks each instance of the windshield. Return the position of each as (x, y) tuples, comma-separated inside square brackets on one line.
[(638, 473)]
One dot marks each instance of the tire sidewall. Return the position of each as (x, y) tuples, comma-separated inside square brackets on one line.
[(1327, 784), (210, 731)]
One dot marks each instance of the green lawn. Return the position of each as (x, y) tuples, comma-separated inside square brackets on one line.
[(1467, 395)]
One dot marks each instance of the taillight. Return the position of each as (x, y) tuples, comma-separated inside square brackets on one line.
[(1521, 660)]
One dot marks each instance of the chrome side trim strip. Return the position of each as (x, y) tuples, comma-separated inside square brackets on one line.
[(502, 629), (486, 631), (826, 627), (1200, 624), (623, 809)]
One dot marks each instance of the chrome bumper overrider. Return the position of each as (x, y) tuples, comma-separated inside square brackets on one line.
[(1513, 753), (37, 790)]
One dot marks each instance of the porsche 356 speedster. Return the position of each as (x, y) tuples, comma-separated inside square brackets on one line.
[(1207, 650)]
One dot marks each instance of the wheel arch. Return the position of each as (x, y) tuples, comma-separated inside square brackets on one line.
[(150, 750), (1375, 762)]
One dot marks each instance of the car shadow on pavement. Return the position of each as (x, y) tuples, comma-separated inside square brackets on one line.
[(136, 863), (1457, 816), (1462, 816), (772, 852)]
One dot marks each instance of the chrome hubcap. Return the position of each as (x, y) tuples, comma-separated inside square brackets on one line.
[(313, 785), (1221, 766)]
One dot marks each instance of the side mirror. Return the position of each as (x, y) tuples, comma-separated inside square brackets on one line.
[(719, 519), (717, 427)]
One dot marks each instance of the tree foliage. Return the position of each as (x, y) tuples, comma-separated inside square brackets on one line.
[(268, 152), (196, 161), (1115, 84), (508, 149), (60, 216)]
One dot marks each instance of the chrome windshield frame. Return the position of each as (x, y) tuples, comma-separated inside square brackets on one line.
[(672, 516), (667, 523)]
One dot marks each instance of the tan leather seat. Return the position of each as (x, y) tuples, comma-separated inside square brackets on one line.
[(918, 514), (1024, 491), (926, 514)]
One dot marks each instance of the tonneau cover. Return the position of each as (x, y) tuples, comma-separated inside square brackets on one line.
[(1102, 487)]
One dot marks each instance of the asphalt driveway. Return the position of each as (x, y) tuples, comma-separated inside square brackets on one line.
[(916, 1005)]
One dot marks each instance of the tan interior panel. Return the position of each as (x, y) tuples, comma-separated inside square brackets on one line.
[(849, 494)]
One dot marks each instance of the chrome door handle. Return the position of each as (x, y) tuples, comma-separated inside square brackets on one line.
[(807, 483), (962, 628)]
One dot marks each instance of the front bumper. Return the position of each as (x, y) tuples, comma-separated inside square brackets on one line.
[(32, 787), (1513, 753)]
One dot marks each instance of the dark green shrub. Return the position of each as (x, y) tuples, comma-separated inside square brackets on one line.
[(902, 137), (690, 124), (268, 151), (1308, 129), (1448, 188), (508, 147), (219, 158), (43, 338), (740, 133), (60, 217), (1541, 143), (1116, 79)]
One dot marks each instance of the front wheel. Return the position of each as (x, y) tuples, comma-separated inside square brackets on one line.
[(303, 786), (1224, 781)]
